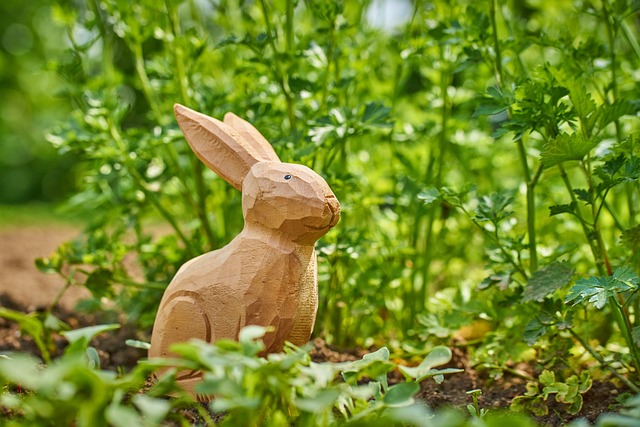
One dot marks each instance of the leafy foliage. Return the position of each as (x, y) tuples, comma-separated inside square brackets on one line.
[(545, 281), (485, 154), (598, 290), (568, 392)]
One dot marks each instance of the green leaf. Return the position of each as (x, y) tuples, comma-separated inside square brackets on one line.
[(581, 100), (560, 209), (493, 207), (252, 333), (401, 394), (376, 114), (534, 330), (50, 265), (429, 195), (79, 339), (547, 377), (438, 356), (546, 280), (592, 290), (31, 325), (597, 290), (566, 147), (325, 399), (99, 283), (122, 416), (632, 170), (583, 195), (380, 354), (89, 332), (152, 408), (138, 344), (611, 166), (608, 113)]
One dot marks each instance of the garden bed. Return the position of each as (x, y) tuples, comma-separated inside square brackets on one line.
[(20, 246)]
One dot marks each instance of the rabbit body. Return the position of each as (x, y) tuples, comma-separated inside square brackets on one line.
[(265, 276), (248, 282)]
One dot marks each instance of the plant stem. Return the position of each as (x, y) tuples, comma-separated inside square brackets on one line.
[(144, 80), (604, 363), (531, 217), (496, 42), (583, 222), (530, 183), (612, 31), (289, 26), (622, 319), (443, 142), (628, 34), (283, 80), (67, 284), (183, 83), (141, 184)]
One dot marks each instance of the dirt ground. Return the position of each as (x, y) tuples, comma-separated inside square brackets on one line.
[(20, 279), (24, 288)]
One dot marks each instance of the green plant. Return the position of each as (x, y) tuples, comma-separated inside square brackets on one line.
[(39, 326), (70, 390), (474, 409), (485, 154), (569, 392), (282, 389)]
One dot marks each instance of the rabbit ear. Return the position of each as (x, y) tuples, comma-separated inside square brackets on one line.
[(220, 147), (252, 136)]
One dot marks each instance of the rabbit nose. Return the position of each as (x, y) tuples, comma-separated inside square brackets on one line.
[(334, 207)]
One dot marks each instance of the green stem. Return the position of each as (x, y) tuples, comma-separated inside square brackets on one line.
[(283, 80), (506, 254), (144, 80), (628, 34), (522, 154), (583, 222), (496, 42), (67, 284), (141, 184), (107, 45), (289, 26), (183, 84), (329, 53), (531, 219), (601, 247), (612, 31), (443, 143), (625, 328), (614, 216), (604, 363)]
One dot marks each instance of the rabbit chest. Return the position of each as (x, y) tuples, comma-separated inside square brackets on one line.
[(283, 293)]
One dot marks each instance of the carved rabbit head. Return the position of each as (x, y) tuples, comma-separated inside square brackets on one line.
[(284, 198)]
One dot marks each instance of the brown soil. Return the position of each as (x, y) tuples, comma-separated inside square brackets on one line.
[(20, 279), (24, 288)]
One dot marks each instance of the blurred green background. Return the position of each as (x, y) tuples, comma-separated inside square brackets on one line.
[(32, 101)]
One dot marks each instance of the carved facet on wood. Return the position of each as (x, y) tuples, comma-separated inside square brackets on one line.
[(267, 275)]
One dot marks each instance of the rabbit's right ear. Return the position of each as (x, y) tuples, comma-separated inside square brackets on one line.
[(220, 147), (252, 136)]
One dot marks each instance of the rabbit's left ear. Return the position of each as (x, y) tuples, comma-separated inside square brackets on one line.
[(219, 146)]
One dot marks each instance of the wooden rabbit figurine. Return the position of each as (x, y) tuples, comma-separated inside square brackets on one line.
[(265, 276)]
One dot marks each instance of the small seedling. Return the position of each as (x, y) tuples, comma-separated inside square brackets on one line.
[(474, 409)]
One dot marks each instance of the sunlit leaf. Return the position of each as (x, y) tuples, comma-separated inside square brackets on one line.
[(546, 280), (566, 147)]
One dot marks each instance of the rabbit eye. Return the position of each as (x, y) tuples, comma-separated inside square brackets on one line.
[(287, 177)]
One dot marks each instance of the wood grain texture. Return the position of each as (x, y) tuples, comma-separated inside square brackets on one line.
[(267, 275)]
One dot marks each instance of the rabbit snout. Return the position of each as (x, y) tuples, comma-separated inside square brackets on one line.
[(334, 207)]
